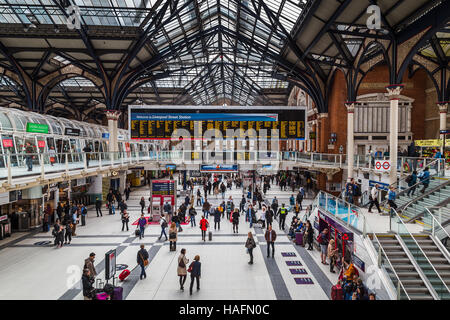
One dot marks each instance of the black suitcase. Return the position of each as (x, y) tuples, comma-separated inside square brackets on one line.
[(210, 235), (137, 232)]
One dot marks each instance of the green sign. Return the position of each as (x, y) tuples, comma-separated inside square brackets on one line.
[(37, 127)]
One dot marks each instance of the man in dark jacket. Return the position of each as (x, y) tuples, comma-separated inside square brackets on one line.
[(98, 206), (235, 219), (88, 288), (110, 199), (270, 237), (87, 154), (142, 257), (217, 215), (89, 264)]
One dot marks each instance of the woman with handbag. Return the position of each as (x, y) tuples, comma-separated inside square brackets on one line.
[(125, 219), (250, 245), (142, 260), (181, 270), (173, 236)]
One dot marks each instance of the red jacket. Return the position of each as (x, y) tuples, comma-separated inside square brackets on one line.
[(204, 224)]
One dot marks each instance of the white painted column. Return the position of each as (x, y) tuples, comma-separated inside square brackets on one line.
[(443, 107), (350, 138), (113, 117), (393, 94)]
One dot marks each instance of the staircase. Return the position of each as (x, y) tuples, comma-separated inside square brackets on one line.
[(403, 267), (439, 261)]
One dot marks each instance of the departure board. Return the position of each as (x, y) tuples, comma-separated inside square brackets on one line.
[(148, 123), (163, 187)]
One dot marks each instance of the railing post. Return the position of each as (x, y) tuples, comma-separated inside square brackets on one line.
[(67, 163), (379, 254), (364, 227), (312, 158), (340, 161), (398, 290), (85, 160), (348, 214), (401, 168), (326, 201), (100, 160), (41, 159), (121, 159), (337, 207), (432, 228), (9, 168)]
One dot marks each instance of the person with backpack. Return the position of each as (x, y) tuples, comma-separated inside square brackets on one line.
[(173, 237), (292, 201), (142, 203), (411, 180), (235, 220), (195, 270), (204, 225), (125, 219), (374, 198), (283, 213), (275, 206), (300, 199), (425, 179), (142, 261), (83, 214), (251, 215), (322, 238), (164, 225), (167, 209), (142, 222), (181, 270), (250, 244)]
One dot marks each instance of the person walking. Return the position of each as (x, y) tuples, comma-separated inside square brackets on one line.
[(235, 220), (229, 207), (242, 204), (127, 192), (87, 153), (283, 213), (204, 225), (412, 181), (195, 268), (263, 216), (98, 207), (323, 241), (142, 260), (192, 214), (29, 150), (110, 201), (309, 235), (269, 216), (163, 223), (142, 222), (181, 270), (250, 215), (142, 203), (350, 190), (250, 244), (167, 209), (270, 237), (68, 233), (391, 197), (217, 216), (425, 179), (374, 198), (206, 207), (173, 237), (125, 219)]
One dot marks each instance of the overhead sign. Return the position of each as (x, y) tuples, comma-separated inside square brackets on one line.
[(171, 167), (381, 185), (444, 131), (382, 165), (37, 127), (105, 135), (120, 137), (219, 168), (429, 143), (7, 143), (72, 132)]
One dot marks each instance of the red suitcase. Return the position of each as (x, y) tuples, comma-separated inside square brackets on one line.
[(337, 292), (124, 274)]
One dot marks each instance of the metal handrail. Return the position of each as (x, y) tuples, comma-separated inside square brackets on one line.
[(435, 221), (423, 253)]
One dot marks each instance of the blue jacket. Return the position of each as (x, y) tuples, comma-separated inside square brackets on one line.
[(142, 222), (196, 269), (391, 195), (425, 178), (413, 180)]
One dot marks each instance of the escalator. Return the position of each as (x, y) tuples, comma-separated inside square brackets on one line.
[(433, 262), (411, 280)]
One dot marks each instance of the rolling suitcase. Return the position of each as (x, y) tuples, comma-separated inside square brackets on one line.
[(117, 294), (137, 232), (124, 274), (299, 238), (210, 235)]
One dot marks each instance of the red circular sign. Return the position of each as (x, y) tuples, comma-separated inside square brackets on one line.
[(378, 165), (386, 165)]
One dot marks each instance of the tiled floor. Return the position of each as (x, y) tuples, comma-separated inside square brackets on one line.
[(29, 271)]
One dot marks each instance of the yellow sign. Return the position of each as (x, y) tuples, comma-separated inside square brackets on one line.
[(428, 143)]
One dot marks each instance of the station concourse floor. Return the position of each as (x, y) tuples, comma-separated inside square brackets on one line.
[(31, 268)]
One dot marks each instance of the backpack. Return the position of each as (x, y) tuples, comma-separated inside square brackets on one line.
[(408, 179), (164, 224), (337, 293), (357, 191), (319, 239)]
